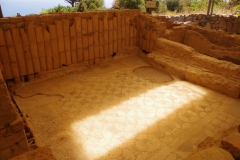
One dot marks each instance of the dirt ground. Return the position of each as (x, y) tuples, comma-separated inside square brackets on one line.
[(124, 110)]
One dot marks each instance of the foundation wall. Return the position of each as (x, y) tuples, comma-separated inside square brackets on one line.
[(13, 140), (230, 24), (149, 28), (33, 44)]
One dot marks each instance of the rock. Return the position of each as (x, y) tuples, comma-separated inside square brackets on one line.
[(232, 144), (197, 41), (212, 153), (184, 62), (177, 33), (223, 25)]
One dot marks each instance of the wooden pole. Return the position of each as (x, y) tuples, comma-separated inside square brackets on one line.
[(213, 1), (209, 5), (1, 14)]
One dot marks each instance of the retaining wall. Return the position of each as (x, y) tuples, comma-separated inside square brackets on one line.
[(230, 24), (32, 44), (13, 140)]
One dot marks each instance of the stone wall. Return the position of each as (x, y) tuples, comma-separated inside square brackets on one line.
[(149, 28), (33, 44), (12, 135), (230, 24)]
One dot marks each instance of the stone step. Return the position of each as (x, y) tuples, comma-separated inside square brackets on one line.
[(186, 63), (192, 57)]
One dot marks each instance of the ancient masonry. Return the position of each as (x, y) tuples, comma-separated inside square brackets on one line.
[(32, 45), (230, 24)]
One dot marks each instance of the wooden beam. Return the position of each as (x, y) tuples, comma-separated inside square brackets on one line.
[(1, 14)]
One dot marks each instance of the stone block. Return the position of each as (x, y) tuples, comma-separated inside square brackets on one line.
[(237, 40), (11, 140), (16, 19), (17, 148), (197, 41), (5, 154), (177, 33), (222, 25), (16, 125), (7, 111), (1, 78), (4, 20), (200, 16), (12, 128)]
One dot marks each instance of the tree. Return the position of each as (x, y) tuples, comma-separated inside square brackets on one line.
[(132, 4), (115, 4), (85, 5), (72, 2), (172, 5)]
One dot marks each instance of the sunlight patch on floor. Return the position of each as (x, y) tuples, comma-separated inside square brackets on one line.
[(101, 133)]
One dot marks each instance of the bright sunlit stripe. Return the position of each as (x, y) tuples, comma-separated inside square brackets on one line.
[(101, 133)]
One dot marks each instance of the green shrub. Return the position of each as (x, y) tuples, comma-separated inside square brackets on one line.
[(58, 8), (85, 5), (236, 8), (133, 4), (173, 5), (161, 7)]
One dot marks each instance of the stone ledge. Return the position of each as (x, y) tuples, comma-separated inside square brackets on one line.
[(37, 154), (4, 20), (196, 73)]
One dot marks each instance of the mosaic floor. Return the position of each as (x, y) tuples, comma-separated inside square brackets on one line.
[(111, 113)]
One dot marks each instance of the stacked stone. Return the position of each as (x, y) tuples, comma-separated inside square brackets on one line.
[(33, 44), (230, 24), (12, 135), (149, 29)]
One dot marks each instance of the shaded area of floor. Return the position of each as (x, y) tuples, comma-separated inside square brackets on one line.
[(108, 112)]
